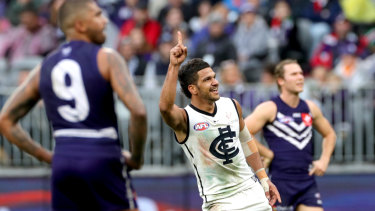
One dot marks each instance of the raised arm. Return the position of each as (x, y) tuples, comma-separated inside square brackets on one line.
[(173, 115), (253, 159), (17, 106), (322, 125), (114, 69), (262, 114)]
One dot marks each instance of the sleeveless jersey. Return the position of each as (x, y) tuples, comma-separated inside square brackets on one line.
[(289, 136), (213, 147), (79, 101)]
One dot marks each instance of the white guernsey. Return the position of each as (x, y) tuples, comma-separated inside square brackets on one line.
[(212, 133), (212, 145)]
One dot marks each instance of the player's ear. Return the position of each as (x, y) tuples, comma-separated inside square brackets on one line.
[(280, 81), (80, 26), (193, 89)]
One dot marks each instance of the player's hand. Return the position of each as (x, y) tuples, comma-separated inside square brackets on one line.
[(273, 194), (319, 168), (130, 162), (178, 53)]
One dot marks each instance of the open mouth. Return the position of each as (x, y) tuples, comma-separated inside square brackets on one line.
[(214, 90)]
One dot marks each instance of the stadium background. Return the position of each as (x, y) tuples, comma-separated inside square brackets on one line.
[(166, 182)]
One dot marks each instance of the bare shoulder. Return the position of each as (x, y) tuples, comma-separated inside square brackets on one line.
[(268, 107), (107, 51), (106, 57), (263, 113), (314, 109)]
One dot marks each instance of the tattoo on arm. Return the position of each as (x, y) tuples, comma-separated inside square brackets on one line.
[(121, 73), (17, 106), (124, 86), (20, 106)]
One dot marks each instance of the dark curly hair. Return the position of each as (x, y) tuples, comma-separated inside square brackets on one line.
[(188, 74)]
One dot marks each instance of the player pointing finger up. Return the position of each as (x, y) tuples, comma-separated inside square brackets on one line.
[(179, 52)]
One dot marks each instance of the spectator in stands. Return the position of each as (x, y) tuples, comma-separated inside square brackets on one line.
[(355, 72), (251, 40), (217, 46), (315, 84), (232, 84), (231, 77), (4, 22), (268, 79), (198, 36), (185, 7), (321, 81), (151, 29), (174, 20), (15, 8), (120, 10), (31, 38), (315, 20), (284, 30), (129, 49), (157, 67), (332, 45), (161, 57), (235, 7), (197, 23)]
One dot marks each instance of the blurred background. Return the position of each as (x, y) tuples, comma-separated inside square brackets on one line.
[(333, 40)]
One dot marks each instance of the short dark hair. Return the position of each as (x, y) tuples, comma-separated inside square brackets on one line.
[(188, 74), (68, 12)]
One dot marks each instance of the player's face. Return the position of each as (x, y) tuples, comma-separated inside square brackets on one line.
[(208, 86), (293, 80), (96, 24)]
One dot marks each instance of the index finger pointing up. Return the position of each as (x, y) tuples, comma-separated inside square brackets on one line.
[(179, 38)]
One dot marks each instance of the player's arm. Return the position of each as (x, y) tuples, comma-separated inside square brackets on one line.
[(173, 115), (17, 106), (262, 114), (322, 125), (250, 150), (115, 70)]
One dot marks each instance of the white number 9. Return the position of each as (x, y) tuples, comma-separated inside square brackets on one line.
[(73, 91)]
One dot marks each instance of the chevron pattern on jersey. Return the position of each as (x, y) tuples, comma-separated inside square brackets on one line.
[(298, 135)]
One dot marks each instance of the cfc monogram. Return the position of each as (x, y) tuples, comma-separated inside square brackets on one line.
[(219, 147)]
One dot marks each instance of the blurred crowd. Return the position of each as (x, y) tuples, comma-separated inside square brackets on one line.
[(333, 40)]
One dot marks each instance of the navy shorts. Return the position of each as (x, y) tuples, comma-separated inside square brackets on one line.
[(294, 193), (96, 182)]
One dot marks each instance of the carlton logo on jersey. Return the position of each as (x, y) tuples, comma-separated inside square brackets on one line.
[(220, 148), (201, 126)]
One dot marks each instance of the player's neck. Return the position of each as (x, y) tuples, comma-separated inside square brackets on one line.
[(207, 106), (290, 99), (77, 37)]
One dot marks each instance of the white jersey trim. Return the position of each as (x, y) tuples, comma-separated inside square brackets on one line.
[(109, 132)]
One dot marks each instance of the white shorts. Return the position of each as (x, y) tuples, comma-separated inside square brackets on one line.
[(252, 199)]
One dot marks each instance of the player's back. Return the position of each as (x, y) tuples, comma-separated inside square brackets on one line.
[(290, 138), (78, 100)]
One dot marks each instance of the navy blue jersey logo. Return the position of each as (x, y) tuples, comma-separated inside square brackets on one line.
[(219, 147)]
